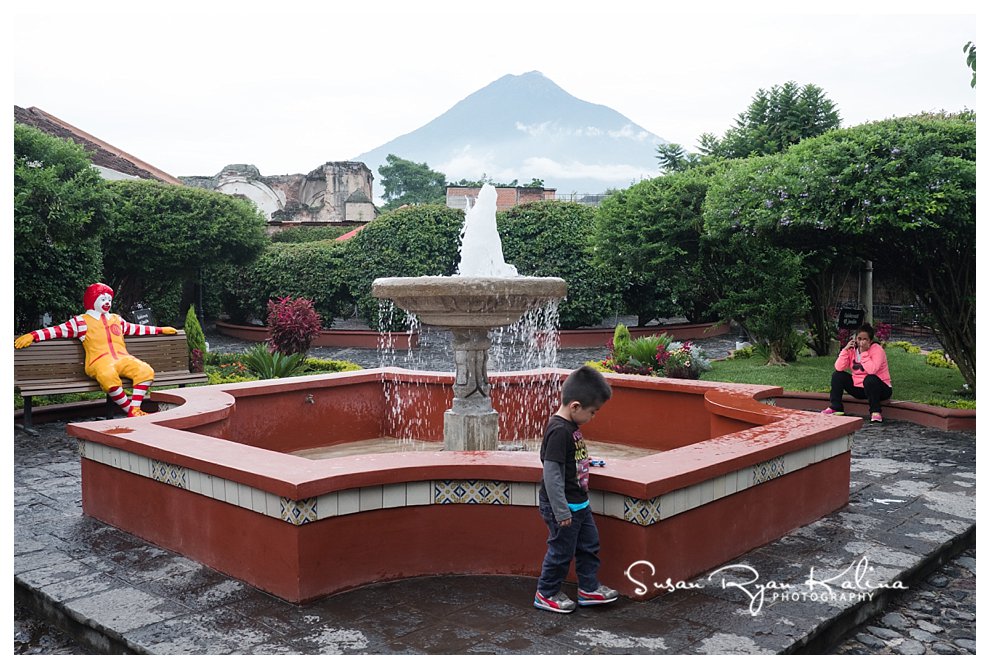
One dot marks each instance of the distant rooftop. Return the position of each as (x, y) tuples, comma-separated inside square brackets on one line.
[(105, 155)]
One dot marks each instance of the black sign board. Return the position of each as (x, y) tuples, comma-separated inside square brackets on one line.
[(142, 317), (850, 319)]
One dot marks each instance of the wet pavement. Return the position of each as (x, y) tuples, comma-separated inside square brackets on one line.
[(911, 509)]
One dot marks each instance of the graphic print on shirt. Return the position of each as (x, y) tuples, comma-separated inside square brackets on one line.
[(581, 460)]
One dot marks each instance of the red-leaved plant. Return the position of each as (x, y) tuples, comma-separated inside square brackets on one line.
[(293, 324)]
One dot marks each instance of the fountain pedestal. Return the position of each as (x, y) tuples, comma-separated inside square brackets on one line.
[(471, 424), (470, 307)]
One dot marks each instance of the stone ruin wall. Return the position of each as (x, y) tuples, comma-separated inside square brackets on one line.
[(336, 192)]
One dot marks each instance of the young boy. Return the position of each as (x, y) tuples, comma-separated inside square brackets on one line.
[(564, 502)]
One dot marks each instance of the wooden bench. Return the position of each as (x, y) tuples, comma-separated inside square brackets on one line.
[(56, 366)]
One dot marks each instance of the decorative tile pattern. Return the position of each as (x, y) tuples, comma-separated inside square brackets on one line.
[(470, 492), (768, 470), (169, 473), (642, 511), (456, 491), (299, 511)]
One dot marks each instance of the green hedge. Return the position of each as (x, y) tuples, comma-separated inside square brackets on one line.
[(313, 270), (301, 234), (412, 241), (552, 239)]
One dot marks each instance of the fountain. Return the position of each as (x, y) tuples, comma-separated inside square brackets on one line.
[(487, 293), (698, 472)]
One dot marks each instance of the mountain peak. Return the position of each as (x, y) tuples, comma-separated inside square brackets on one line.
[(524, 127)]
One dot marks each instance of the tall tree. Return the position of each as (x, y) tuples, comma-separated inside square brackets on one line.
[(406, 182), (775, 120), (747, 198), (901, 192), (970, 51), (648, 238), (59, 219)]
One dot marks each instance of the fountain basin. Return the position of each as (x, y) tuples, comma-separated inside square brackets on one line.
[(474, 302), (216, 478)]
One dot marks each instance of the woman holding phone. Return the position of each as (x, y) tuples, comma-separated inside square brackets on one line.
[(861, 371)]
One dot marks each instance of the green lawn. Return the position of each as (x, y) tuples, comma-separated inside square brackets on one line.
[(912, 378)]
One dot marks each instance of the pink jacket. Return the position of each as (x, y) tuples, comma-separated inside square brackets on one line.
[(874, 361)]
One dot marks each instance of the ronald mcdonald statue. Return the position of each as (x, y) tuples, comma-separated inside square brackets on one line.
[(102, 337)]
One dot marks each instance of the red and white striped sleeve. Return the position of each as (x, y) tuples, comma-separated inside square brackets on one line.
[(74, 328), (139, 330)]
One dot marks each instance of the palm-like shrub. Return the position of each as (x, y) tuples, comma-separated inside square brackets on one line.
[(267, 364)]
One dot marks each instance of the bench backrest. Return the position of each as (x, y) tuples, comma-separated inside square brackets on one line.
[(65, 358)]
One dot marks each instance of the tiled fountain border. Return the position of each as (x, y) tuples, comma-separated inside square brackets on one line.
[(455, 491)]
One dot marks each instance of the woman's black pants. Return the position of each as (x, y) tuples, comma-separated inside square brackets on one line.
[(874, 390)]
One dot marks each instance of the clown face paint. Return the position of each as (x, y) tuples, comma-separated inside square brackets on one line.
[(102, 304)]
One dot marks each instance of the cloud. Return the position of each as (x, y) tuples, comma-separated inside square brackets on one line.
[(548, 169), (628, 132), (552, 130), (471, 163)]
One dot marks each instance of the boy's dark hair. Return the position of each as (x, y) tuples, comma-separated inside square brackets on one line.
[(868, 329), (587, 387)]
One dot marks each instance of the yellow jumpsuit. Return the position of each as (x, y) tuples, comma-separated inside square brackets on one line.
[(107, 358)]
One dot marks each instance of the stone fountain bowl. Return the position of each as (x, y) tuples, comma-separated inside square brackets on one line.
[(469, 302)]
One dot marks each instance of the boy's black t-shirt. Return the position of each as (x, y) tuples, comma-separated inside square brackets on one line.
[(563, 442)]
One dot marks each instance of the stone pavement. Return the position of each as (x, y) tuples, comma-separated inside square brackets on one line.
[(911, 509)]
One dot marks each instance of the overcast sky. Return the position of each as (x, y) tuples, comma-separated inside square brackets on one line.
[(193, 86)]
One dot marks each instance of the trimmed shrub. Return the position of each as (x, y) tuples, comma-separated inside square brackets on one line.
[(412, 241), (309, 233), (907, 346), (938, 358), (196, 341), (553, 239), (313, 270), (326, 366)]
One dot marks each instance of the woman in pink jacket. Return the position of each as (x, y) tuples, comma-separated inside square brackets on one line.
[(868, 377)]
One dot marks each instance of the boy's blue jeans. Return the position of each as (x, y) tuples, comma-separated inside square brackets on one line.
[(578, 541)]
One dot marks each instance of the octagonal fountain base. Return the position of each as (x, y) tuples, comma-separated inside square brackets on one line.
[(698, 473)]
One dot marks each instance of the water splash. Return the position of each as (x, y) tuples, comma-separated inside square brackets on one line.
[(404, 416), (481, 246), (532, 343)]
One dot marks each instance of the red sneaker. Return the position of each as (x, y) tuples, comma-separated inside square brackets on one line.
[(559, 603), (601, 595), (133, 412)]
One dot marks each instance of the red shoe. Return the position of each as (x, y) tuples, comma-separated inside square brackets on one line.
[(133, 412), (601, 595)]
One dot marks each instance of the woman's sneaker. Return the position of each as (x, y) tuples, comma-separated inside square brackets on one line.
[(832, 412), (601, 595), (559, 603), (876, 417)]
